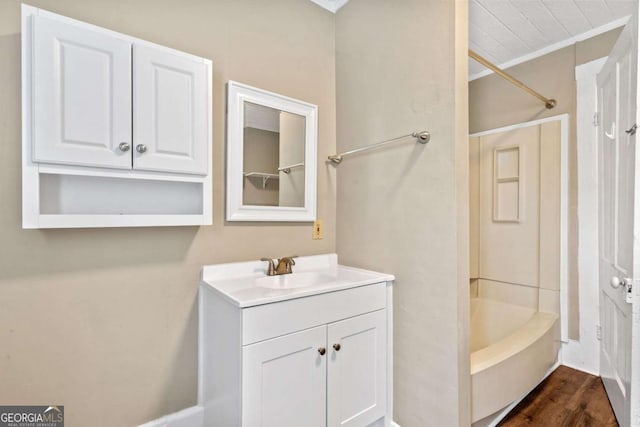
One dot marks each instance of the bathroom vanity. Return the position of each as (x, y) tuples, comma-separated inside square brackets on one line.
[(312, 348)]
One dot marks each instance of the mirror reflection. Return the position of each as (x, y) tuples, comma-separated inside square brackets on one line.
[(273, 157)]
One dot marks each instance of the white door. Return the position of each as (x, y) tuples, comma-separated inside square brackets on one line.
[(284, 381), (82, 96), (618, 222), (356, 375), (170, 111)]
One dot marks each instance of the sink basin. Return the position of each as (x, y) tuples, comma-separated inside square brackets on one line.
[(246, 284), (294, 280)]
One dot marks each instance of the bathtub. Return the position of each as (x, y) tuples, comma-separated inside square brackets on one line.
[(512, 348)]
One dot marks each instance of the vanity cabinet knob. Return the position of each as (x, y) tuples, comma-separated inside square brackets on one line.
[(337, 347), (141, 148), (124, 147), (322, 351)]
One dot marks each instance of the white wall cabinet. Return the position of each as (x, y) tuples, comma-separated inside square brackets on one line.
[(113, 128), (317, 361)]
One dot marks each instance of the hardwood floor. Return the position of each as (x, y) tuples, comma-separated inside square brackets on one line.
[(567, 398)]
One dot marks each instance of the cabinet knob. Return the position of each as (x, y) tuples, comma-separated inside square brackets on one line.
[(322, 351), (141, 148), (337, 347), (124, 147)]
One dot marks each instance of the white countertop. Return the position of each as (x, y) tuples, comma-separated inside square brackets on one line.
[(238, 282)]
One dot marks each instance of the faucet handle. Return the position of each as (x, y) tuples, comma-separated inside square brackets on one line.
[(289, 259), (284, 264)]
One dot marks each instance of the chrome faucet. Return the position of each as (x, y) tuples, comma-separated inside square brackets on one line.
[(283, 266)]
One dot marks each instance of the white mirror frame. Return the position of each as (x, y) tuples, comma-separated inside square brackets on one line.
[(237, 95)]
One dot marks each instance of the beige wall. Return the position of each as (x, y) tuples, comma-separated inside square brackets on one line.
[(260, 154), (292, 145), (401, 67), (104, 321), (495, 103)]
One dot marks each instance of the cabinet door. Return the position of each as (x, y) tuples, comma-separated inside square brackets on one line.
[(170, 109), (284, 381), (81, 96), (356, 375)]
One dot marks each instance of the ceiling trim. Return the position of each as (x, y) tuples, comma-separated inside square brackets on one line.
[(556, 46), (331, 5)]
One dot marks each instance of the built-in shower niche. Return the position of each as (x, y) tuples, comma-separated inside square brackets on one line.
[(64, 195), (507, 186)]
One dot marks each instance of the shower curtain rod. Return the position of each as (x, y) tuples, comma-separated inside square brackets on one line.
[(549, 103)]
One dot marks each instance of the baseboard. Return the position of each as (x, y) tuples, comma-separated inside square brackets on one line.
[(190, 417), (194, 416), (579, 368), (582, 357)]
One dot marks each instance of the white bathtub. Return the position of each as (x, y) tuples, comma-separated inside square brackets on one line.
[(512, 347)]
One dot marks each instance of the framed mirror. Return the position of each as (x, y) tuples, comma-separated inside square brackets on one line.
[(272, 143)]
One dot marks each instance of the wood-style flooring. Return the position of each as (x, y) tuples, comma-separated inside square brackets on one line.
[(567, 398)]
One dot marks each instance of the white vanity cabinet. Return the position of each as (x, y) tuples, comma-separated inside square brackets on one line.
[(116, 130), (315, 359), (331, 375)]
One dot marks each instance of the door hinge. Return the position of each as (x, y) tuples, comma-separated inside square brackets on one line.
[(596, 119), (598, 332)]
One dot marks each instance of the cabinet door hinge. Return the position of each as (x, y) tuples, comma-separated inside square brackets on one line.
[(596, 119), (598, 332)]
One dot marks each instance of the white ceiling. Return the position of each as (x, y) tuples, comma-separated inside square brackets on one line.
[(508, 32), (332, 5)]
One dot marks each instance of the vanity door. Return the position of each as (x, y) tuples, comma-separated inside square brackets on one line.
[(284, 381), (357, 374)]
